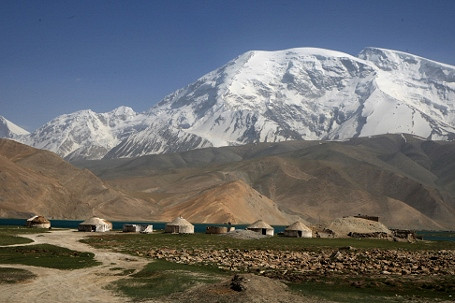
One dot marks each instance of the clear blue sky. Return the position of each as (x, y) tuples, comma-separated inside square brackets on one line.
[(58, 57)]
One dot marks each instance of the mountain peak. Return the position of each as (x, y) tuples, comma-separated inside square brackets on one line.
[(271, 96), (123, 111), (10, 130)]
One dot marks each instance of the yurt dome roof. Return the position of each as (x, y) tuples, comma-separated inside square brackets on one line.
[(260, 224), (179, 221), (95, 221), (298, 226)]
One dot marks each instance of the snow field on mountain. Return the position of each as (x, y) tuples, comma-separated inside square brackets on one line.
[(293, 94)]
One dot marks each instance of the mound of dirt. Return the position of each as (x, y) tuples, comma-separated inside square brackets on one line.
[(241, 288), (244, 234), (342, 227)]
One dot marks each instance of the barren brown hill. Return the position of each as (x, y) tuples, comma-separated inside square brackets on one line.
[(39, 182), (406, 181), (234, 202)]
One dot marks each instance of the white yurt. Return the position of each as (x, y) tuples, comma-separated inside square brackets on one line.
[(95, 224), (261, 227), (298, 230), (179, 226), (38, 222)]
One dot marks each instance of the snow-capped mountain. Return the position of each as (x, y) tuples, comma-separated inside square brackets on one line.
[(302, 93), (10, 130), (86, 134)]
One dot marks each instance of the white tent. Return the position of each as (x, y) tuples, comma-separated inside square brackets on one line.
[(179, 226), (261, 227), (95, 224), (298, 230)]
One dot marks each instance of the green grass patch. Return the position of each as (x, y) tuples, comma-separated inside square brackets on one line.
[(15, 275), (377, 289), (161, 278), (8, 234), (16, 230), (132, 243), (10, 240), (46, 255)]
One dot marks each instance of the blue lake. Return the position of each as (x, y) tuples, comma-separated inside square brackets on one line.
[(437, 235)]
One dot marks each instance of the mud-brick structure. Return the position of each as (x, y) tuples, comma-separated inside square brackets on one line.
[(38, 222), (217, 230)]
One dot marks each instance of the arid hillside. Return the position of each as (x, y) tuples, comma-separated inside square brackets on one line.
[(234, 202), (406, 181), (39, 182)]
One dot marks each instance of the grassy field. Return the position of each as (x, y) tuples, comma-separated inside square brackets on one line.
[(377, 289), (14, 230), (132, 243), (10, 240), (160, 278), (8, 234), (46, 255)]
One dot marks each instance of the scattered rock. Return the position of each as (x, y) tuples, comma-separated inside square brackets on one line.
[(244, 234), (295, 265), (238, 283)]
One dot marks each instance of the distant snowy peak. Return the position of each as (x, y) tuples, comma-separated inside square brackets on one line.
[(10, 130), (86, 134)]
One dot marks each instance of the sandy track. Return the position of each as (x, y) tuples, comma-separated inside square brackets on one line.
[(81, 285)]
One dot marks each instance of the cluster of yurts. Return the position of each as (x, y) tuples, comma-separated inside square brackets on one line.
[(178, 226)]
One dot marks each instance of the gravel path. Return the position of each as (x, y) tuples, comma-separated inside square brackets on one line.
[(81, 285)]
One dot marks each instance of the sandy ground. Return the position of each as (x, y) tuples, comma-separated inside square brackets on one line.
[(82, 285)]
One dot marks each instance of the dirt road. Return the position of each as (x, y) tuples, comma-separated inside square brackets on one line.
[(81, 285)]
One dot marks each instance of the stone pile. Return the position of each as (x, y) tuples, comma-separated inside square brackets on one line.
[(292, 264)]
